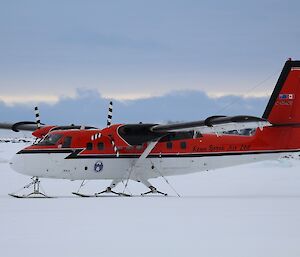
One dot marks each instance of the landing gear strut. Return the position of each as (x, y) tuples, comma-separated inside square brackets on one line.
[(110, 187), (107, 190), (36, 190), (153, 190)]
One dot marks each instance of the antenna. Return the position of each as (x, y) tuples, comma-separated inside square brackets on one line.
[(109, 116), (37, 117)]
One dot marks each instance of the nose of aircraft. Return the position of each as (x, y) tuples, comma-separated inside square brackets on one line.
[(17, 163)]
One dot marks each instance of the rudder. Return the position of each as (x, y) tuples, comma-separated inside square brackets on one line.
[(284, 104)]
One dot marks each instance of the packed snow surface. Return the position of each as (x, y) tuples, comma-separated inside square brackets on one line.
[(245, 211)]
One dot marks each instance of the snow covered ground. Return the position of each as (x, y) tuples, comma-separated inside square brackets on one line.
[(251, 210)]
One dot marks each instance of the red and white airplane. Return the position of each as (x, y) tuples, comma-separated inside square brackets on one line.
[(140, 152)]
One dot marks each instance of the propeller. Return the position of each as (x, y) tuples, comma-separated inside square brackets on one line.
[(109, 115), (115, 147), (109, 119), (37, 117)]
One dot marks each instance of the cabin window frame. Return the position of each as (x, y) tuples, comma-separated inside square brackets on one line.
[(169, 145), (183, 145), (89, 146), (100, 146)]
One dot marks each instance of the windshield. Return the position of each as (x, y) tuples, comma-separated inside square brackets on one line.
[(51, 139)]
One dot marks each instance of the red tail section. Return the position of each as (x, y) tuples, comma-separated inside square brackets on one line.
[(284, 104), (283, 110)]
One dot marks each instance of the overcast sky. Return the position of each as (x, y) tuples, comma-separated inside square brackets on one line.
[(135, 49)]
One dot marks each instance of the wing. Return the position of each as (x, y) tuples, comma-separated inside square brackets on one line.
[(22, 125), (214, 124), (31, 126), (137, 134)]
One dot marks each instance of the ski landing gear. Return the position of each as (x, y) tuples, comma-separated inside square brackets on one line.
[(36, 190), (153, 189), (107, 190)]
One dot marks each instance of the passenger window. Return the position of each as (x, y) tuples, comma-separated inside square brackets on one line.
[(139, 147), (183, 145), (100, 146), (198, 134), (67, 142), (89, 146), (169, 145)]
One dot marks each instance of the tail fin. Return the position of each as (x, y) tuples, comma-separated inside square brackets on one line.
[(284, 105)]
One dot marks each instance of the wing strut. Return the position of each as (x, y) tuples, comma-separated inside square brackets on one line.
[(140, 160), (167, 181)]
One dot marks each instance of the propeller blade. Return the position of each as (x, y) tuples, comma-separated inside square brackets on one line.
[(109, 116), (37, 117)]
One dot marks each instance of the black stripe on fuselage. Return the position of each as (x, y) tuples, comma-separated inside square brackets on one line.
[(39, 151), (293, 125), (75, 154)]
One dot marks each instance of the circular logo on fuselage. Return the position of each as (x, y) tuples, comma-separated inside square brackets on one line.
[(98, 166)]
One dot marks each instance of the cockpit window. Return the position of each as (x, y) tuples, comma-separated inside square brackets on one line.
[(50, 139)]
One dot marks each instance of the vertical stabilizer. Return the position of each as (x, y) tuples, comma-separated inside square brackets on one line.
[(284, 104)]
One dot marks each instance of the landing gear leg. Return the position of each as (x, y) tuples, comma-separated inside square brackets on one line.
[(153, 189), (109, 189), (36, 190)]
